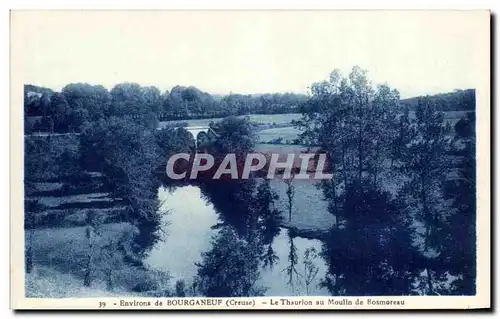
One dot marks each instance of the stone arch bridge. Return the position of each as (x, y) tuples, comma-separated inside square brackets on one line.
[(201, 134)]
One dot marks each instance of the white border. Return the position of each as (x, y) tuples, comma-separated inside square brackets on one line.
[(126, 4)]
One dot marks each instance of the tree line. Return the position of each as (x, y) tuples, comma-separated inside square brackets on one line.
[(458, 100), (68, 110), (129, 157), (248, 220), (403, 190), (403, 194)]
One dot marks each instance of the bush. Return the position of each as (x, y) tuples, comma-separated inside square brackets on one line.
[(278, 140), (127, 155), (180, 288), (231, 268), (146, 285)]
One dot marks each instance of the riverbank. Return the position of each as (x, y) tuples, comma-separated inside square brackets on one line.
[(60, 255), (46, 282)]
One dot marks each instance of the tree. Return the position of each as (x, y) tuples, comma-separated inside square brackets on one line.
[(150, 120), (32, 209), (77, 119), (460, 224), (92, 221), (174, 104), (269, 219), (425, 167), (310, 268), (402, 136), (112, 252), (152, 99), (94, 99), (172, 140), (180, 288), (465, 127), (349, 120), (290, 194), (293, 260), (230, 268), (235, 135), (190, 102), (36, 100), (386, 115), (372, 254), (230, 197), (60, 112), (128, 157), (127, 99)]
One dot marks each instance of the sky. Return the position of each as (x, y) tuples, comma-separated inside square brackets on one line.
[(248, 52)]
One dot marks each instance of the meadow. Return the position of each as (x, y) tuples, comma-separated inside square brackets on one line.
[(260, 119), (286, 133), (60, 256), (61, 247)]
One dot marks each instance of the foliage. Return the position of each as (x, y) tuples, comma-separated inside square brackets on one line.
[(128, 157), (231, 197), (373, 253), (293, 276), (68, 110), (32, 210), (269, 220), (460, 225), (230, 268), (180, 288), (310, 268), (263, 204), (172, 140), (50, 158), (290, 194), (383, 243), (424, 165), (348, 119), (83, 98), (235, 135), (403, 237), (458, 100)]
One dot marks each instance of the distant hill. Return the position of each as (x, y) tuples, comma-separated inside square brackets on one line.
[(459, 100)]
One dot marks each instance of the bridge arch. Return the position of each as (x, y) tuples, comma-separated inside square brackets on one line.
[(200, 132)]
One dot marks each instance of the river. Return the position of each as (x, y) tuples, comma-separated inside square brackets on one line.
[(188, 220)]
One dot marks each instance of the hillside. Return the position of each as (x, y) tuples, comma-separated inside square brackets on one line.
[(459, 100)]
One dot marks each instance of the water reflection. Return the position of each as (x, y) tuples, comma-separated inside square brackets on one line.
[(191, 225), (277, 278), (188, 221)]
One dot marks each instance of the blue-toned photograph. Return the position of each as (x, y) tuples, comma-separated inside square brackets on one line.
[(259, 157)]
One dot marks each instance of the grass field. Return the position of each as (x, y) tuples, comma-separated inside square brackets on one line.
[(61, 209), (274, 118), (278, 119), (45, 282), (60, 255), (60, 252), (288, 134), (61, 248), (281, 148)]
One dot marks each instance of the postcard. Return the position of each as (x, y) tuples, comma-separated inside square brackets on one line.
[(274, 159)]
